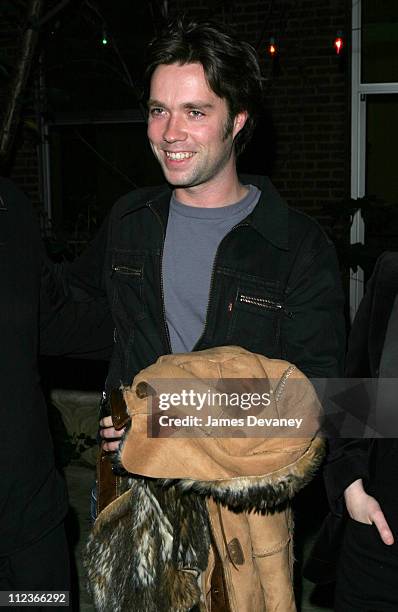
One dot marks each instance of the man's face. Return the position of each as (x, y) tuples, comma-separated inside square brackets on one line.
[(187, 125)]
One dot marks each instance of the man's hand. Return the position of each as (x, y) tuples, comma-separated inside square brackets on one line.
[(111, 436), (366, 509)]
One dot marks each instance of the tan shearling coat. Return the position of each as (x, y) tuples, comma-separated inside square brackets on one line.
[(247, 482)]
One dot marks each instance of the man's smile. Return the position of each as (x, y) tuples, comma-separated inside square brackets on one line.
[(179, 155)]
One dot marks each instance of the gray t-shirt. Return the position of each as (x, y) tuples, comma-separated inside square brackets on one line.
[(192, 237)]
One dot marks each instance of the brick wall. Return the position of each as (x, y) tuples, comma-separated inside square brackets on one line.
[(307, 150)]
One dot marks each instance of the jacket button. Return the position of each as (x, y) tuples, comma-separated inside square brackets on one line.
[(236, 552)]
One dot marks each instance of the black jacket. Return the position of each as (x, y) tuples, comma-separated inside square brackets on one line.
[(275, 286), (32, 494), (349, 459), (375, 461), (35, 310)]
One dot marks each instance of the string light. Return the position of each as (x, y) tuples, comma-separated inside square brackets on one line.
[(338, 43), (272, 47), (104, 37)]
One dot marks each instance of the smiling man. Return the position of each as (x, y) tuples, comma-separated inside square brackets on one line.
[(209, 259), (192, 136)]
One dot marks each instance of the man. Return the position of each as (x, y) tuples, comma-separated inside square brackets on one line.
[(361, 474), (33, 501), (211, 259)]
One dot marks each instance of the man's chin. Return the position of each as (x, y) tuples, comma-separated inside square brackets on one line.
[(178, 181)]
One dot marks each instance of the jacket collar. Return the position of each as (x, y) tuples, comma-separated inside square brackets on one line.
[(269, 218), (157, 198)]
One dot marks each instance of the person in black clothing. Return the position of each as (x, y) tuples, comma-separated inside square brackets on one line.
[(212, 258), (34, 309), (362, 474)]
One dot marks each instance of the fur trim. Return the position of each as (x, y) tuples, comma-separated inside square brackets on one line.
[(266, 493), (147, 549)]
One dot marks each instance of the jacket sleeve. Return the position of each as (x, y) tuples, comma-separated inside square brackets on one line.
[(348, 459), (75, 318), (313, 331)]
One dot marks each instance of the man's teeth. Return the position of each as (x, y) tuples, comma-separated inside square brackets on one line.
[(171, 155)]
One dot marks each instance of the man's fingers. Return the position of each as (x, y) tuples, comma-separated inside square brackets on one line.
[(106, 422), (111, 436), (110, 446), (110, 432), (383, 528)]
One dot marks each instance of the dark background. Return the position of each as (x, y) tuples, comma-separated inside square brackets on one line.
[(83, 108), (84, 91)]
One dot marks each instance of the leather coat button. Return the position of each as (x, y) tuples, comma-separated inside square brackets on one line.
[(236, 552)]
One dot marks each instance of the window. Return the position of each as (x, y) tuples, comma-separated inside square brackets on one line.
[(374, 112)]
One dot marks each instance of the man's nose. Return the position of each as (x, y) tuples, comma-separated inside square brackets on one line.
[(174, 130)]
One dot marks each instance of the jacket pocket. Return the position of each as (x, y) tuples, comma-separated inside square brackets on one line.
[(255, 320), (127, 277), (259, 303)]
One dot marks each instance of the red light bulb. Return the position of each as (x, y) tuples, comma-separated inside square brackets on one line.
[(272, 48), (338, 44)]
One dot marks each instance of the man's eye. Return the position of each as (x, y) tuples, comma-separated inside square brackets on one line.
[(156, 112), (196, 114)]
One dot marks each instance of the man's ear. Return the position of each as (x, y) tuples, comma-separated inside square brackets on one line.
[(239, 121)]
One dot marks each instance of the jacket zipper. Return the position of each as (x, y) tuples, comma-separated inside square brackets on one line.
[(166, 330), (263, 303), (212, 282)]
